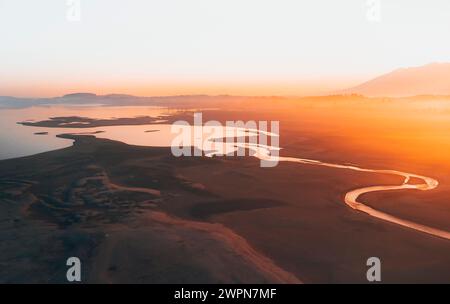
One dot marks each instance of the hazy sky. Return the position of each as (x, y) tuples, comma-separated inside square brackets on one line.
[(249, 47)]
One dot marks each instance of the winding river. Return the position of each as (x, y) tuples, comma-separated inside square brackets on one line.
[(351, 198), (140, 135)]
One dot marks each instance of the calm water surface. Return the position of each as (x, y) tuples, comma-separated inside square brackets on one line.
[(17, 140)]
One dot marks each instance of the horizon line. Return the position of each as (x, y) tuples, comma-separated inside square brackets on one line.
[(80, 94)]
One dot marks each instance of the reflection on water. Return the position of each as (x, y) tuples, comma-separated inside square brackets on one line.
[(17, 140)]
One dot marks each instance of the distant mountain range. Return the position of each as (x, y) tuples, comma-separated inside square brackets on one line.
[(430, 79), (181, 101)]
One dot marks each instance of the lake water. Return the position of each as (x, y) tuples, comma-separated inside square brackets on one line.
[(17, 140)]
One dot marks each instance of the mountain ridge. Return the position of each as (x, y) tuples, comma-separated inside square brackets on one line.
[(429, 79)]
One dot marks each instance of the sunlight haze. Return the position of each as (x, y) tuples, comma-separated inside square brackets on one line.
[(213, 47)]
